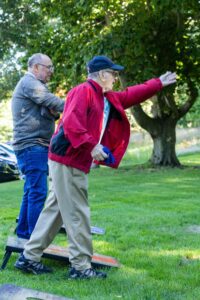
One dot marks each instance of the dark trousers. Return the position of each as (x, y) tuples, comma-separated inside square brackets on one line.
[(33, 164)]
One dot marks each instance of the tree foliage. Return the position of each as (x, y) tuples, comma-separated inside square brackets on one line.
[(149, 37)]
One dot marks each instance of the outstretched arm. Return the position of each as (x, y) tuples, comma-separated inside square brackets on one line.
[(134, 95)]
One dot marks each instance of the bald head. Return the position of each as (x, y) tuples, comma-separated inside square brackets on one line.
[(41, 66), (36, 58)]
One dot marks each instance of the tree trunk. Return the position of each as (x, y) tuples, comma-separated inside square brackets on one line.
[(163, 132), (164, 142)]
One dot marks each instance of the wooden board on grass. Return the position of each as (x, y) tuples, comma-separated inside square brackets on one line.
[(14, 292), (15, 244)]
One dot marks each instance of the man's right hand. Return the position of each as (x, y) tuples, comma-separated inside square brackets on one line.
[(168, 78), (98, 153)]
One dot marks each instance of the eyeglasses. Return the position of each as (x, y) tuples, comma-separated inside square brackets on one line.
[(115, 74), (49, 67)]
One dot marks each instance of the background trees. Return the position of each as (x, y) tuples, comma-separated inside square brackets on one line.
[(148, 37)]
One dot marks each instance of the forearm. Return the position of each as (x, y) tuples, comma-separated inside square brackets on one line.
[(134, 95), (52, 102), (38, 93)]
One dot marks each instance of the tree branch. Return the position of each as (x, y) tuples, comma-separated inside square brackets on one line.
[(193, 94), (169, 100), (146, 122)]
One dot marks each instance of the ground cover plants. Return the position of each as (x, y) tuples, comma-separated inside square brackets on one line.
[(147, 214)]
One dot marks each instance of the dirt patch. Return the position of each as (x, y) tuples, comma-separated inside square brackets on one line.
[(193, 229)]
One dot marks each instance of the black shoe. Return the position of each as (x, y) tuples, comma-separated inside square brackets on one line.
[(86, 274), (31, 266)]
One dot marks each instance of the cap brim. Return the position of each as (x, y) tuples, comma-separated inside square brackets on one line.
[(117, 68)]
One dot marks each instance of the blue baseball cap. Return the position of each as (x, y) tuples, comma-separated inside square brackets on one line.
[(102, 62)]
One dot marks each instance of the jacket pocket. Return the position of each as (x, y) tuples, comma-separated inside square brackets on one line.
[(59, 144)]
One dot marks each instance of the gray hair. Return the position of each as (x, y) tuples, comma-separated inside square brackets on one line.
[(93, 75), (35, 59)]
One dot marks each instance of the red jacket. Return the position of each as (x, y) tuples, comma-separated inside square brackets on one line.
[(80, 127)]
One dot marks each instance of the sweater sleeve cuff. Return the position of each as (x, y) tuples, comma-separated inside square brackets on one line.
[(160, 86)]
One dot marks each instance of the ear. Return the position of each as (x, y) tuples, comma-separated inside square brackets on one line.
[(36, 66), (34, 69)]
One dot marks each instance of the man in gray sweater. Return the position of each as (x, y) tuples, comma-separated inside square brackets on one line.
[(34, 111)]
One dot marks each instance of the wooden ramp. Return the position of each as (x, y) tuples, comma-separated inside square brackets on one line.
[(15, 244), (14, 292)]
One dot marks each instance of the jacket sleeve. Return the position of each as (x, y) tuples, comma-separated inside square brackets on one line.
[(75, 119), (38, 93), (136, 94)]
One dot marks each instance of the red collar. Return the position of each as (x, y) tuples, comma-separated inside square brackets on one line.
[(95, 86)]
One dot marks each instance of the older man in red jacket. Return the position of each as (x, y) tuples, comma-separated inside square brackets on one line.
[(94, 126)]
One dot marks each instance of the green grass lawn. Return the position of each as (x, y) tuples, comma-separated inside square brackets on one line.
[(147, 214)]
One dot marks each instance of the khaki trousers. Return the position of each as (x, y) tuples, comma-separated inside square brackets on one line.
[(66, 204)]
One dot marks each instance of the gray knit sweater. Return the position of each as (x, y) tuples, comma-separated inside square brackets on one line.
[(33, 123)]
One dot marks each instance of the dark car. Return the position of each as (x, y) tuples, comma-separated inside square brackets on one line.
[(8, 163)]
